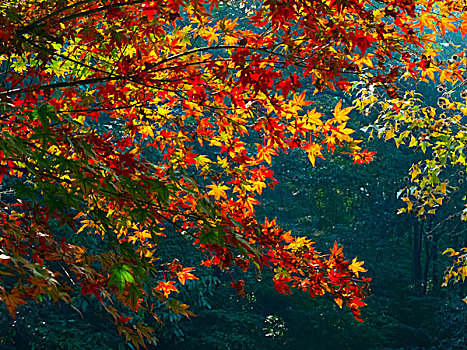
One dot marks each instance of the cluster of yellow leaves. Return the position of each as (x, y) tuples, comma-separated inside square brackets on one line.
[(458, 271)]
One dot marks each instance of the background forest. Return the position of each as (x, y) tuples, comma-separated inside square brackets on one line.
[(357, 205)]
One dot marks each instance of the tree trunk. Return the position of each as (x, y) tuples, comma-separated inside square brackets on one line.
[(435, 275), (428, 256), (417, 255)]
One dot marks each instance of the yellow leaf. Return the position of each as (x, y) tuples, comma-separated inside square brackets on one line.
[(340, 115), (19, 66), (313, 117), (389, 134), (413, 142), (218, 191), (201, 161), (415, 172), (146, 130), (314, 151), (356, 266), (231, 40)]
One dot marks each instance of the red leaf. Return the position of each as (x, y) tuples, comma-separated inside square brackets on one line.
[(240, 287)]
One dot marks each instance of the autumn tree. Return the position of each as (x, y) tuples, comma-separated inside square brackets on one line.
[(132, 120), (427, 115)]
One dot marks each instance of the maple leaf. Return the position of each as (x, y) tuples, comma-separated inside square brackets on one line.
[(166, 287), (341, 115), (363, 157), (330, 141), (451, 251), (335, 250), (218, 190), (231, 40), (362, 40), (120, 276), (201, 161), (240, 287), (299, 243), (314, 117), (92, 288), (339, 302), (146, 130), (178, 308), (249, 203), (287, 237), (280, 284), (299, 100), (313, 150), (285, 86), (356, 266), (265, 153), (12, 301), (446, 23), (214, 3), (258, 186), (186, 275), (210, 34)]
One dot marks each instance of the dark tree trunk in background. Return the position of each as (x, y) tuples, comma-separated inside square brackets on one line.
[(417, 255), (435, 275), (428, 256)]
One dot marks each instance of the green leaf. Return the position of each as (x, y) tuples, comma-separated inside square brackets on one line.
[(121, 275), (423, 145)]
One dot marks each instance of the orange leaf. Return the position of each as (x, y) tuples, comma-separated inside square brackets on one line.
[(166, 287), (12, 301), (339, 302), (186, 275)]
